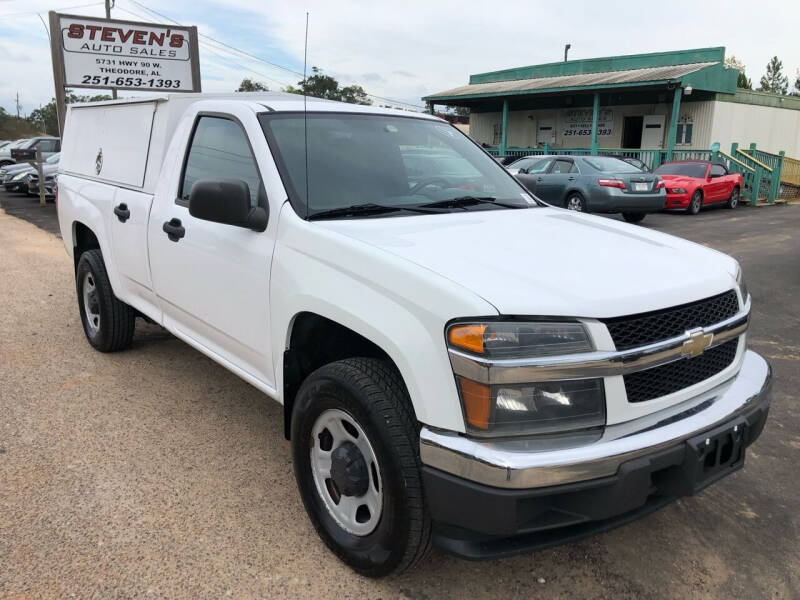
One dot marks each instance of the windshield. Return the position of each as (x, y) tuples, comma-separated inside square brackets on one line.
[(687, 169), (610, 164), (385, 161)]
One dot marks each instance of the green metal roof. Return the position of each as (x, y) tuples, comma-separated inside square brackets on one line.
[(701, 68)]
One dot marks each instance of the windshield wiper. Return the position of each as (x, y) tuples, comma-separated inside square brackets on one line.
[(461, 201), (369, 208)]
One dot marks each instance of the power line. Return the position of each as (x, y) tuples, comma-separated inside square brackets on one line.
[(258, 58), (208, 37), (33, 12), (212, 50)]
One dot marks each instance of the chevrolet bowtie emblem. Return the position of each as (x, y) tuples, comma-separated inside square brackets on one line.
[(697, 343)]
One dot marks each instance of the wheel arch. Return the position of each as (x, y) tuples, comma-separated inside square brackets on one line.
[(83, 239), (314, 340)]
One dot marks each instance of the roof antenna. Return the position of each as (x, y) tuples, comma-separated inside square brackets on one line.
[(305, 113)]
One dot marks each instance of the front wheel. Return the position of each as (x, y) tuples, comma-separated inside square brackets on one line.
[(733, 199), (695, 203), (633, 217), (355, 448), (576, 202)]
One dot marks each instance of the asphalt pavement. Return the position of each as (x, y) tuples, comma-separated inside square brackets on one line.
[(157, 473)]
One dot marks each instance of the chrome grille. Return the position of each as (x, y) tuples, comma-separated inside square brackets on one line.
[(646, 328), (680, 374)]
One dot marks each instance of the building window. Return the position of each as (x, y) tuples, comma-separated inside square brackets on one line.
[(687, 134), (683, 133)]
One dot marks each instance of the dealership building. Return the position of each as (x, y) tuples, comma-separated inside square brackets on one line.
[(654, 105)]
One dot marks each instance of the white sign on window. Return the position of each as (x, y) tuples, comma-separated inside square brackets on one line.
[(578, 122), (127, 55)]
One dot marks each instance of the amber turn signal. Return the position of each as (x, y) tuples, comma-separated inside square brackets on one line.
[(468, 337), (477, 402)]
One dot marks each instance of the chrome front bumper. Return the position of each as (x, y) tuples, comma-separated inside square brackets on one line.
[(523, 464)]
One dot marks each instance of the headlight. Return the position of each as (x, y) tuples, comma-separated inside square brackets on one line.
[(519, 339), (19, 176), (526, 408), (533, 408), (742, 285), (677, 190)]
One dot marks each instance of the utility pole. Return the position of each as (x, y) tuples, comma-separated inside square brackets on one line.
[(18, 105), (109, 5)]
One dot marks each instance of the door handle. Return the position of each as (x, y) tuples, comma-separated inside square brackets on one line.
[(570, 178), (174, 229), (539, 179), (122, 212)]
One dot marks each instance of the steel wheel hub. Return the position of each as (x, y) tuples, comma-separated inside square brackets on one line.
[(91, 303), (574, 203), (346, 472)]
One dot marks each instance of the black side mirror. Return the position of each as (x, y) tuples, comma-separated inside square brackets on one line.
[(226, 201), (522, 171)]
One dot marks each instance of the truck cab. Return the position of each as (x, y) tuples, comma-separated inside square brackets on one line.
[(459, 363)]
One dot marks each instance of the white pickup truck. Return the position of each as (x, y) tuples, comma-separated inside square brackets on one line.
[(459, 363)]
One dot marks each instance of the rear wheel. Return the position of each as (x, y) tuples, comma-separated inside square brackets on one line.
[(355, 448), (733, 200), (695, 203), (575, 202), (633, 217), (107, 322)]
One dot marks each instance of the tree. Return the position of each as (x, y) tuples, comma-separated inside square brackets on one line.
[(796, 90), (248, 85), (743, 81), (46, 117), (774, 81), (325, 86)]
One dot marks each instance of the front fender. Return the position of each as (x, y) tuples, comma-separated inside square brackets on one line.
[(397, 305)]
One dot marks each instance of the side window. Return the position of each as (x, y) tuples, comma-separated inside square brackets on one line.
[(219, 150), (574, 168), (541, 166), (717, 171), (47, 145), (563, 166)]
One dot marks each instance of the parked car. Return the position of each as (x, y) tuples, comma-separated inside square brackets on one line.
[(7, 172), (5, 152), (48, 145), (694, 184), (470, 368), (506, 160), (601, 184), (49, 170), (18, 181), (632, 161)]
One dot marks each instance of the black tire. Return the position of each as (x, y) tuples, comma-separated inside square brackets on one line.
[(575, 201), (695, 203), (733, 199), (115, 319), (633, 217), (372, 392)]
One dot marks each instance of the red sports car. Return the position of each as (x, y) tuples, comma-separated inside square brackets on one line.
[(693, 184)]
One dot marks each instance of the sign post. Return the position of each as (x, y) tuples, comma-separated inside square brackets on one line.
[(32, 156), (91, 52)]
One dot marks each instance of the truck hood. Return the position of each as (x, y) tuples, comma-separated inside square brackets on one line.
[(548, 261)]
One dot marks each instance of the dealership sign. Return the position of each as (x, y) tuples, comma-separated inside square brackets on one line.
[(578, 122), (125, 55)]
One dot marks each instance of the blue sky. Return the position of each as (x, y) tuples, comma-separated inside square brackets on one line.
[(408, 49)]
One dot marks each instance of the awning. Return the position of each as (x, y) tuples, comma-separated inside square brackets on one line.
[(584, 81)]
